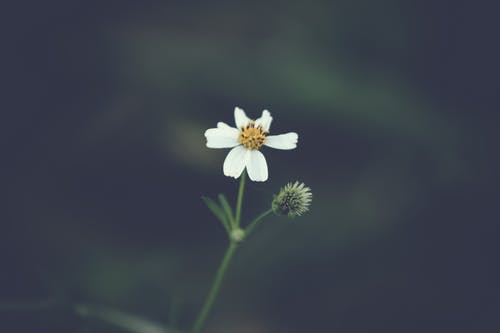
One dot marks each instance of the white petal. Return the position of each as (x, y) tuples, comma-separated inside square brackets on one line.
[(264, 120), (282, 141), (257, 166), (220, 124), (235, 161), (222, 137), (240, 118)]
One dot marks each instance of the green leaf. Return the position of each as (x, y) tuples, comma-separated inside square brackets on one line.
[(128, 322), (218, 212), (227, 208)]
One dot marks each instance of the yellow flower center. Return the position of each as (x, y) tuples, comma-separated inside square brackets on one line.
[(252, 137)]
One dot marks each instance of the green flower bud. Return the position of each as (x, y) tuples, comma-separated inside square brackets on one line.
[(292, 200), (237, 235)]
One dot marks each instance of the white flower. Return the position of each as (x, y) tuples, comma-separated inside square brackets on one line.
[(246, 140)]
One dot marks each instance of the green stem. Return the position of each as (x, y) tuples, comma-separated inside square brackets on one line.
[(249, 229), (214, 290), (240, 198), (212, 295)]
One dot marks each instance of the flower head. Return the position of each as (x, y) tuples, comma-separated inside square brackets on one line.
[(292, 200), (246, 140)]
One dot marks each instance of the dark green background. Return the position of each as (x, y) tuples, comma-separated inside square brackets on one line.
[(104, 162)]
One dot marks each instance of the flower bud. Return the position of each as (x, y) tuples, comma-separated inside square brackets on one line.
[(237, 235), (292, 200)]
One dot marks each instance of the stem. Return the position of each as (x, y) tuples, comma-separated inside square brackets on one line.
[(214, 290), (249, 229), (212, 295), (240, 198)]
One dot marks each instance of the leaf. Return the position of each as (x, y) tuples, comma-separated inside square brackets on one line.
[(128, 322), (227, 208), (217, 211)]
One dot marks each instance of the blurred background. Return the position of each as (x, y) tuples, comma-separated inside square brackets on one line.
[(104, 162)]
